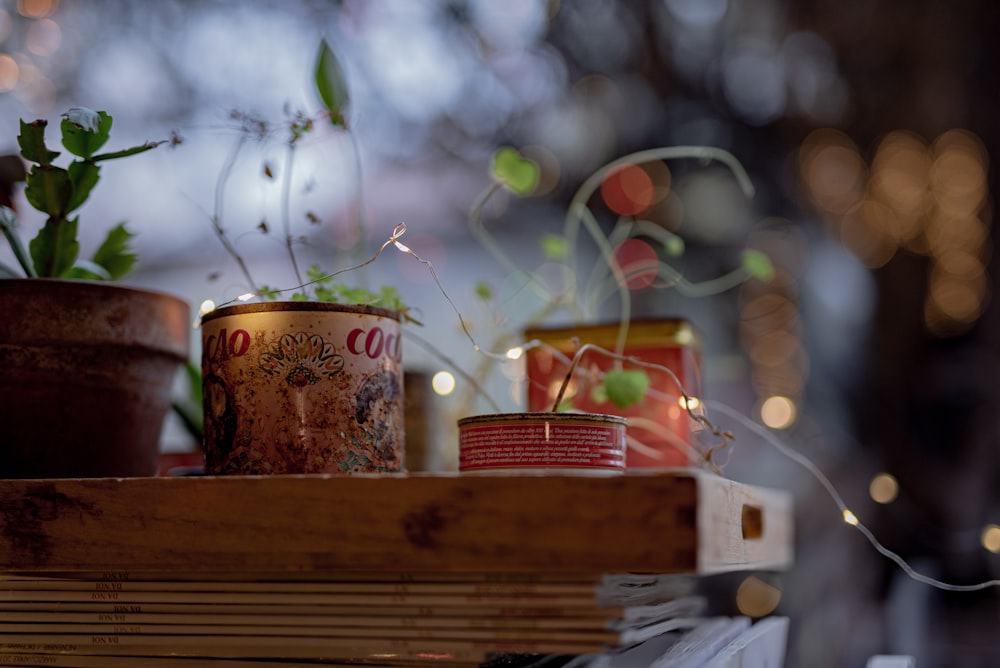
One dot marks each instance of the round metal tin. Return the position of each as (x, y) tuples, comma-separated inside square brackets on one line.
[(542, 443), (302, 387)]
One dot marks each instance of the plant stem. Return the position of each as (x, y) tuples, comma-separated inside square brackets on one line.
[(286, 196), (608, 253), (478, 228), (360, 226), (579, 213), (220, 189)]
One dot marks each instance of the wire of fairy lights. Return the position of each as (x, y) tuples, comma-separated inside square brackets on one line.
[(848, 516)]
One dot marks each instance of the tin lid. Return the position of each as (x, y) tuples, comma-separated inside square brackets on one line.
[(676, 332), (564, 418), (324, 307)]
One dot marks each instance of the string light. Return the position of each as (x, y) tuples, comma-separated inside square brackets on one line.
[(515, 353), (689, 403), (989, 537), (849, 517)]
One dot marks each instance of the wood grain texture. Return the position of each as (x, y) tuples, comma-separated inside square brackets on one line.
[(409, 524)]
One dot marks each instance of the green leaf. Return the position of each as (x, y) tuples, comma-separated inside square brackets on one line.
[(331, 84), (116, 254), (758, 265), (83, 176), (84, 269), (49, 190), (8, 223), (299, 297), (515, 171), (625, 387), (267, 292), (32, 143), (55, 248), (388, 297), (554, 246), (317, 275), (484, 291), (85, 131)]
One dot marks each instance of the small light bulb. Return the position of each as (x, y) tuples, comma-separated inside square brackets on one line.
[(850, 518), (690, 404), (246, 297), (206, 307), (515, 353)]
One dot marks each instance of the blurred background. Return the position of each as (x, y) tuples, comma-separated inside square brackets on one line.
[(866, 128)]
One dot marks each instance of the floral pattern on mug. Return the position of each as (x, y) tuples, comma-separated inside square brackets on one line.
[(303, 359)]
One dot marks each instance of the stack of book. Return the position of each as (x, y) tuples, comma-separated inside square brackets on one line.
[(123, 619)]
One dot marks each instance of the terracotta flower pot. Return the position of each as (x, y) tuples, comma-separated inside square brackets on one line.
[(302, 387), (86, 374)]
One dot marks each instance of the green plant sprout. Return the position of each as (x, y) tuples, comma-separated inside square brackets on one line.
[(315, 283), (519, 175), (58, 192)]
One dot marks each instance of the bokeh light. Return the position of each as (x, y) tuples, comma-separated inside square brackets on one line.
[(778, 412), (627, 190), (756, 598), (929, 199), (443, 383), (36, 9), (43, 37), (991, 538), (832, 170), (883, 488), (9, 73), (638, 262)]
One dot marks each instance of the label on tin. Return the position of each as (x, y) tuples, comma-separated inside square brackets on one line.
[(541, 445)]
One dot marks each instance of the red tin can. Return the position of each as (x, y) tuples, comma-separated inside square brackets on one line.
[(542, 443), (660, 429)]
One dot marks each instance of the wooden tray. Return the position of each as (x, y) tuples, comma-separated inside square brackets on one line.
[(676, 522)]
